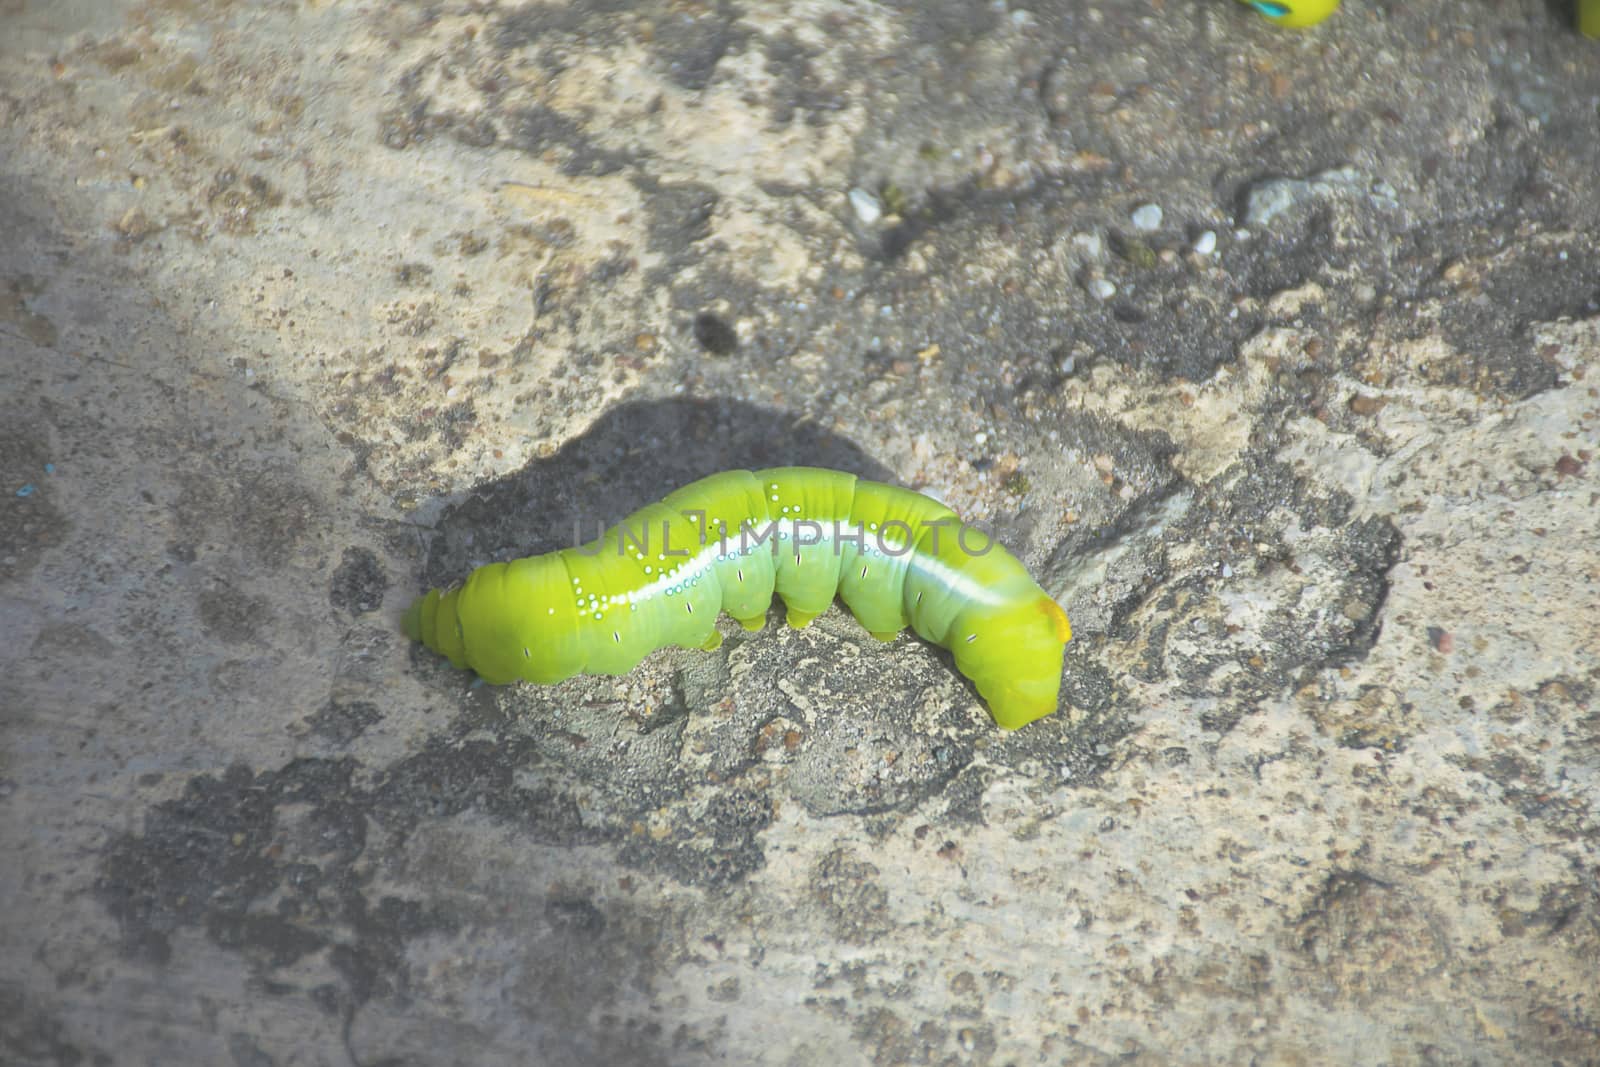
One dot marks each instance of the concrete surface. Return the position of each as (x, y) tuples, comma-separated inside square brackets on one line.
[(304, 304)]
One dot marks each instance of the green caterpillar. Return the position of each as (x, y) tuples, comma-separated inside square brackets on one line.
[(727, 543)]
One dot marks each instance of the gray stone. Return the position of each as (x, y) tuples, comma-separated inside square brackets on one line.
[(304, 307)]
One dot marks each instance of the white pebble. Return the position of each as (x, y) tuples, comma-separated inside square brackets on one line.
[(1206, 243), (867, 207), (1102, 289), (1147, 218)]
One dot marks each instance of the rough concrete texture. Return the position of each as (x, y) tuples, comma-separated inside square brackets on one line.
[(304, 304)]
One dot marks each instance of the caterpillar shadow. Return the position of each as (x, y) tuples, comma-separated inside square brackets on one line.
[(632, 456)]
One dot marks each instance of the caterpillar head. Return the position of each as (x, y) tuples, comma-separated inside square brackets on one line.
[(1013, 655), (1295, 12)]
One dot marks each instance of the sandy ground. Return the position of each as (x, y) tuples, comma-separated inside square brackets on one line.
[(1275, 355)]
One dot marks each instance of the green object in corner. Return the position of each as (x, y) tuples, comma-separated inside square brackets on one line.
[(1589, 18)]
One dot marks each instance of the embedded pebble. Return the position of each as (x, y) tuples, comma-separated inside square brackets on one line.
[(1569, 466), (868, 208), (1147, 218), (1102, 289), (1268, 199), (1088, 245), (1206, 243)]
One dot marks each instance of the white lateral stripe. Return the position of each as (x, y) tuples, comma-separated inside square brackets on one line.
[(701, 563)]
